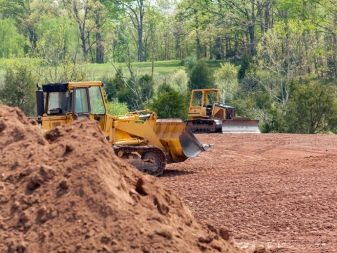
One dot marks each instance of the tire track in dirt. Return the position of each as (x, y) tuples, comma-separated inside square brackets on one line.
[(275, 190)]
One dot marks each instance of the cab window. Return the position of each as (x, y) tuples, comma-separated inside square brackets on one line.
[(212, 97), (81, 101), (58, 103), (96, 100), (197, 98)]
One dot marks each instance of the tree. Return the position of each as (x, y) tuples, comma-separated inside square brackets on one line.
[(11, 41), (135, 10), (82, 12), (99, 21), (179, 81), (281, 59), (310, 107), (169, 103), (57, 39), (200, 76), (21, 12), (197, 22), (136, 91), (19, 88), (226, 80), (113, 86)]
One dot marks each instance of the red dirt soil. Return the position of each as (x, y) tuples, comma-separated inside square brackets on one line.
[(273, 190), (67, 192)]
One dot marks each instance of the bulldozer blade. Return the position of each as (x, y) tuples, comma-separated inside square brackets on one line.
[(240, 126), (178, 141), (190, 144)]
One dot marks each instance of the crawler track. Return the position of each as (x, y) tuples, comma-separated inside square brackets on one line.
[(150, 160)]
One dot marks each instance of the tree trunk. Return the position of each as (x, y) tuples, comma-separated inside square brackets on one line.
[(140, 30), (82, 28), (198, 43), (83, 43), (334, 46), (251, 36), (218, 48), (140, 45), (99, 40), (251, 30)]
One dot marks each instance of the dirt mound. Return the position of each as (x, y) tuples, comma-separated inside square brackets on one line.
[(67, 192)]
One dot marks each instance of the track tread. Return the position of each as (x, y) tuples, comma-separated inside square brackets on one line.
[(141, 150)]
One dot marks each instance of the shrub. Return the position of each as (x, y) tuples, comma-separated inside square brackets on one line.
[(12, 43), (310, 108), (226, 80), (19, 88), (113, 85), (189, 62), (180, 81), (169, 103), (201, 76), (116, 108)]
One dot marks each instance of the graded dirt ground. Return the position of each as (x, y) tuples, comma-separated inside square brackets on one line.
[(273, 190)]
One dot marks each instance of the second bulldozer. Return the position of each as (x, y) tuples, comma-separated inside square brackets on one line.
[(208, 115)]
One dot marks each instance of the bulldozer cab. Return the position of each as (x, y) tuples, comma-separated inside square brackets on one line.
[(202, 102), (63, 103)]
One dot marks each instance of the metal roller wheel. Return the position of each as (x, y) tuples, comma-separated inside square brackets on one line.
[(154, 163)]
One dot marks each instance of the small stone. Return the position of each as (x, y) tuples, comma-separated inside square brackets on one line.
[(164, 233), (205, 239), (224, 234)]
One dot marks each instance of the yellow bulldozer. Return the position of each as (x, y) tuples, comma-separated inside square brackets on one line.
[(208, 115), (148, 143)]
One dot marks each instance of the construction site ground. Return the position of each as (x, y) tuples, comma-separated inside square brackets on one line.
[(278, 191)]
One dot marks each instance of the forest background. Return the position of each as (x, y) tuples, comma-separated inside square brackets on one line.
[(274, 60)]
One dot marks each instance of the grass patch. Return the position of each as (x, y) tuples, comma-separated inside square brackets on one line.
[(163, 70), (107, 70)]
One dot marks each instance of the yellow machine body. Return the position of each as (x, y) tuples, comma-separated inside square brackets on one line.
[(207, 114), (139, 132)]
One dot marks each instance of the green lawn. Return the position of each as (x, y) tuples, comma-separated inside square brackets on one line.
[(107, 70), (163, 70)]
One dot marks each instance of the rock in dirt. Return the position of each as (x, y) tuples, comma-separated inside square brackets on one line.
[(66, 191)]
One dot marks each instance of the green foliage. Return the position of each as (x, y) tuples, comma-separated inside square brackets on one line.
[(12, 42), (169, 103), (310, 108), (146, 84), (19, 88), (179, 81), (275, 44), (57, 39), (116, 108), (189, 62), (273, 119), (201, 76), (65, 72), (113, 86), (244, 66), (226, 80), (134, 91), (13, 62)]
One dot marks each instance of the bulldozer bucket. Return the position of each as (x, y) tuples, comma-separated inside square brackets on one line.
[(238, 125), (190, 144), (178, 141)]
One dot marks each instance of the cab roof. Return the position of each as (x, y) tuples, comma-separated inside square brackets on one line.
[(63, 87)]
